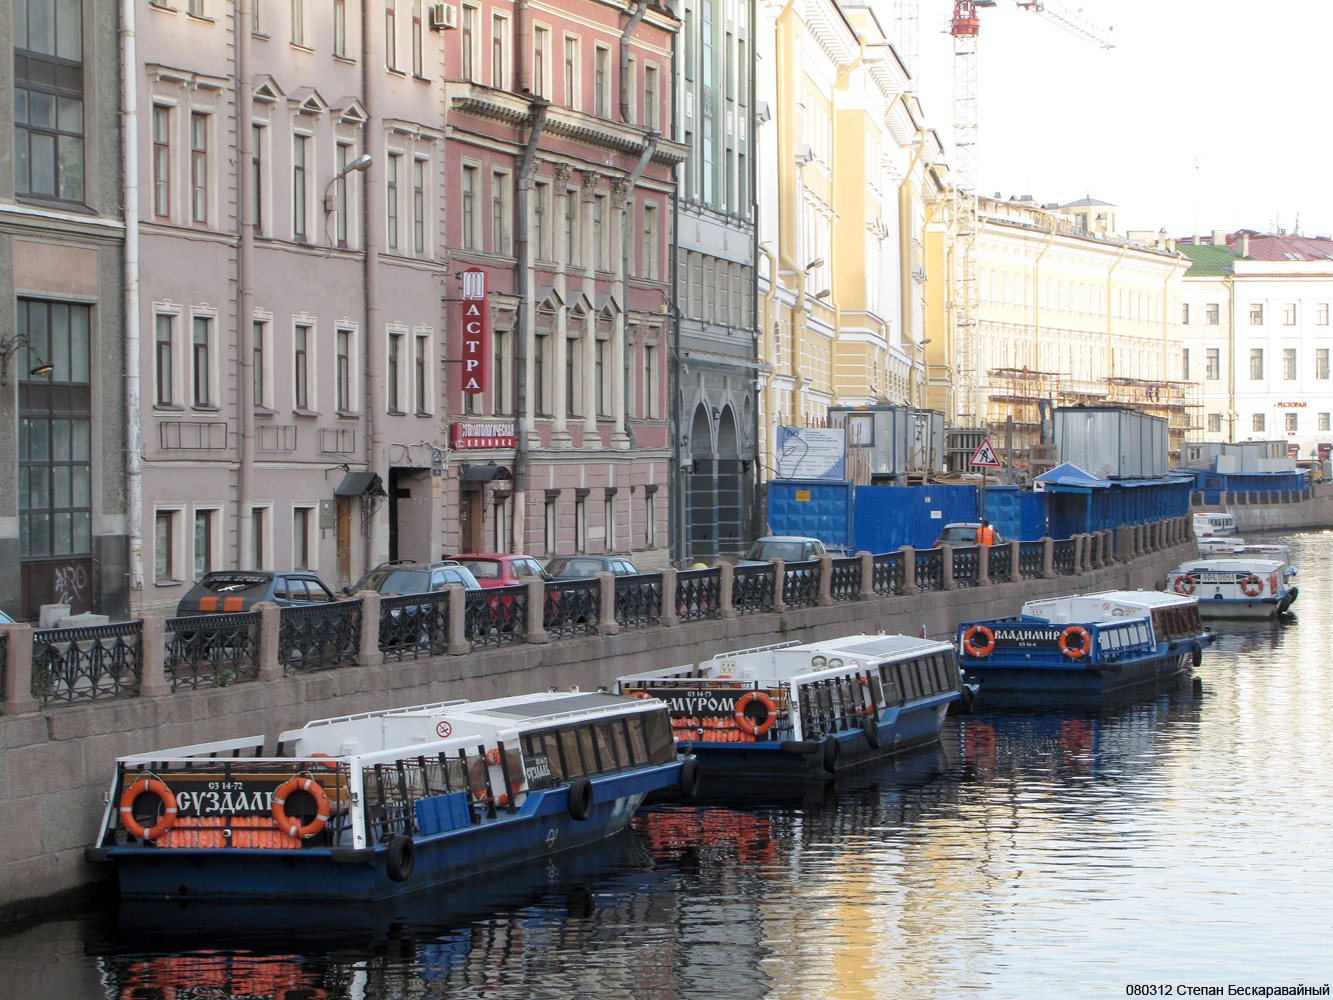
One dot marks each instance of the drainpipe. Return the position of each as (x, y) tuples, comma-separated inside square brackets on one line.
[(372, 73), (245, 251), (640, 9), (526, 328), (133, 416), (522, 46)]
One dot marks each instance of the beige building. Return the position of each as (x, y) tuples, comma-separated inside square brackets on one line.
[(1067, 312)]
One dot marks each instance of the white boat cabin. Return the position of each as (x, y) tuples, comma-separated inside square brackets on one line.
[(1211, 523), (1174, 616)]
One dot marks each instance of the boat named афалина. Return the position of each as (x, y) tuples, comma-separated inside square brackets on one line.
[(805, 711), (369, 806), (1085, 648), (1236, 586)]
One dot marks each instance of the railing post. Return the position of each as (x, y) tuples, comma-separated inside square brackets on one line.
[(459, 642), (18, 671), (909, 570), (1048, 558), (983, 566), (537, 611), (1078, 541), (607, 623), (825, 580), (270, 624), (1015, 570), (867, 575), (727, 588), (946, 565), (369, 654), (153, 654), (669, 613), (779, 584)]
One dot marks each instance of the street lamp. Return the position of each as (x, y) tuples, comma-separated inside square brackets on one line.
[(359, 164), (11, 344), (915, 386)]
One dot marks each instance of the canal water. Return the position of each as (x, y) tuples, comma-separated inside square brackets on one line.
[(1183, 841)]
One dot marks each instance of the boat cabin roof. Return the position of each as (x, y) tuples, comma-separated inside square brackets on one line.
[(1105, 606), (785, 661), (1229, 564)]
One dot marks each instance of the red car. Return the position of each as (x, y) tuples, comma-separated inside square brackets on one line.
[(503, 569)]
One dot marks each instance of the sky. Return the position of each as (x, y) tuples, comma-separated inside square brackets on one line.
[(1206, 114)]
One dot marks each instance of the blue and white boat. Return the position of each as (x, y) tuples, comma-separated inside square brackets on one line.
[(1094, 649), (371, 806), (804, 711), (1237, 586)]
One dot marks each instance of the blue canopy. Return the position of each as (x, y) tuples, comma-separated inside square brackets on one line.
[(1069, 478)]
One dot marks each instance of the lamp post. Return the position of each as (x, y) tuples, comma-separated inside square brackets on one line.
[(11, 344), (915, 389), (330, 206)]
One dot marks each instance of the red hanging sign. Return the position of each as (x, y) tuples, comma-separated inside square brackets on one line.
[(476, 333)]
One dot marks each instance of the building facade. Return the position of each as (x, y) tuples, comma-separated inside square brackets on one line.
[(1255, 319), (64, 535)]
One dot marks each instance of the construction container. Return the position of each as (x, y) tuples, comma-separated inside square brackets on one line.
[(1112, 443), (887, 445)]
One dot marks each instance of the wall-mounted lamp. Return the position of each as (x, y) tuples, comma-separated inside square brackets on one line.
[(360, 163), (824, 293), (817, 262), (11, 344)]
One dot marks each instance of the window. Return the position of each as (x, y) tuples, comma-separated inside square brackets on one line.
[(1215, 423), (1185, 364), (164, 545), (649, 259), (301, 337), (298, 22), (600, 377), (571, 87), (601, 83), (499, 212), (200, 359), (540, 355), (469, 208), (1290, 420), (1212, 314), (650, 90), (502, 377), (1289, 363), (48, 99), (342, 156), (421, 373), (571, 227), (164, 359), (1185, 313), (300, 146), (573, 365), (391, 198), (393, 382), (468, 41), (342, 373), (391, 33), (339, 28), (549, 528), (417, 64), (609, 520), (599, 228), (499, 42), (419, 206), (651, 377), (259, 363), (203, 541), (541, 55), (161, 161), (1324, 421), (259, 544), (199, 166), (1256, 314), (1256, 363), (1257, 422), (254, 17), (302, 522), (257, 133), (650, 520), (1321, 314), (195, 7), (580, 524), (1321, 362), (1289, 314), (1212, 364)]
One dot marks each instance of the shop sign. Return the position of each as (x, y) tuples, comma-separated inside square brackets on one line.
[(473, 322)]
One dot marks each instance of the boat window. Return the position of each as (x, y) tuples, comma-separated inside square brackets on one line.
[(657, 730), (910, 685), (638, 744), (606, 747), (592, 764), (620, 740), (569, 749), (889, 676), (554, 758)]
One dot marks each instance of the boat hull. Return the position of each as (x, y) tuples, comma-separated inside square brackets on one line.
[(1245, 608), (1013, 683), (542, 826), (730, 766)]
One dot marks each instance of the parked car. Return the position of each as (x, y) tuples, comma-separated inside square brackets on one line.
[(5, 619), (502, 569), (230, 591), (964, 533), (580, 567), (403, 576), (788, 548)]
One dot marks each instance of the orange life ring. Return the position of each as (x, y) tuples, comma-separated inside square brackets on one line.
[(332, 765), (1252, 586), (289, 826), (971, 648), (1085, 642), (154, 786), (748, 724), (1183, 584)]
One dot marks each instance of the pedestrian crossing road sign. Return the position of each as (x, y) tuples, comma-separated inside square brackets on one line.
[(985, 455)]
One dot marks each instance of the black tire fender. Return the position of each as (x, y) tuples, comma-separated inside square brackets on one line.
[(871, 729), (1196, 654), (832, 753), (689, 778), (580, 799), (400, 858)]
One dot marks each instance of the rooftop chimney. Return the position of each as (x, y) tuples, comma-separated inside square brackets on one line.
[(1219, 237), (1243, 244)]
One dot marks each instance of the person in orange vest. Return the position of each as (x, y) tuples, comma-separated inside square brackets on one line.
[(985, 534)]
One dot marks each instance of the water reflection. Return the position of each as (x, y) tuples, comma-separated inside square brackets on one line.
[(1180, 839)]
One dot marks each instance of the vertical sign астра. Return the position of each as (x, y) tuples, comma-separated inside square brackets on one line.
[(476, 335)]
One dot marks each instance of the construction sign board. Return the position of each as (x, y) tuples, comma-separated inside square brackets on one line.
[(985, 456)]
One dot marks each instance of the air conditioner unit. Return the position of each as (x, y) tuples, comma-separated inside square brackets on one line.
[(443, 15)]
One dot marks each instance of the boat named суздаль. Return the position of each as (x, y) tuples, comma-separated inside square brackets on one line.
[(1086, 648), (368, 806), (802, 711), (1238, 586)]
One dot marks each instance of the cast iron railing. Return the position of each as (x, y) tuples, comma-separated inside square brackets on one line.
[(94, 663), (638, 600), (845, 580), (414, 625), (319, 636), (800, 584), (966, 566), (496, 617), (572, 607), (698, 594), (1000, 564), (930, 569), (1063, 557), (887, 573), (753, 589), (1031, 560), (212, 650)]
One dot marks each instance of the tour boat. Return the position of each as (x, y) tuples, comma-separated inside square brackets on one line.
[(1213, 523), (1236, 586), (371, 806), (1089, 648), (1253, 550), (804, 711)]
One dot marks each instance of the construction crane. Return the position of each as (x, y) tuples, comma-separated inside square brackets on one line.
[(965, 26)]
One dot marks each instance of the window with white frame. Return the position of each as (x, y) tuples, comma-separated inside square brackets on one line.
[(1256, 363), (303, 342), (599, 377), (1289, 363), (550, 527), (1256, 314), (1212, 314), (164, 359), (540, 357), (650, 520), (161, 161), (573, 370), (339, 27), (298, 22), (1212, 368), (500, 214), (259, 550), (1324, 421), (541, 60), (168, 560), (1215, 423), (394, 372), (207, 533), (468, 208), (571, 227), (601, 81), (650, 237), (199, 194), (468, 42), (343, 346), (391, 172), (391, 34), (421, 368), (580, 524), (1291, 420), (609, 519), (258, 178), (502, 381), (1321, 314), (571, 74), (261, 368), (418, 63), (500, 513), (651, 89), (599, 231), (419, 173), (541, 210), (1257, 422), (651, 380), (202, 362), (1289, 314), (1321, 362), (343, 155), (304, 523), (300, 187), (499, 51)]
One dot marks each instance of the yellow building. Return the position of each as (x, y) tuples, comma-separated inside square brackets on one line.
[(1066, 312)]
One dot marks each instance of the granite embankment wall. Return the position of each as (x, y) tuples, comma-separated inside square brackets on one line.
[(1317, 512), (56, 763)]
